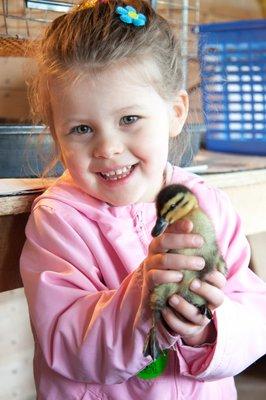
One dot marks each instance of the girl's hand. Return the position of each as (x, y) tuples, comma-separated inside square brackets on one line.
[(162, 267), (185, 319), (181, 317)]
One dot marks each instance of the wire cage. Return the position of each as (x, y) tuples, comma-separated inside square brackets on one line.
[(183, 16), (21, 20)]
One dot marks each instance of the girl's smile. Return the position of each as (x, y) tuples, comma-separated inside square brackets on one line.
[(118, 174), (113, 130)]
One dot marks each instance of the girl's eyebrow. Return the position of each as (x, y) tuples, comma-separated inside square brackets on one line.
[(71, 121), (133, 106), (82, 120), (118, 110)]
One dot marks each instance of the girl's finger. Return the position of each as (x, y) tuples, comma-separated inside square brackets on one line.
[(216, 278), (169, 241), (188, 311), (158, 277), (179, 325), (174, 261), (213, 295), (181, 226)]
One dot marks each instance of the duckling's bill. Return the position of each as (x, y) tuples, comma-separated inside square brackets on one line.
[(159, 227)]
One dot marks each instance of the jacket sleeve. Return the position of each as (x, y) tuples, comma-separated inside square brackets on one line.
[(241, 319), (86, 332)]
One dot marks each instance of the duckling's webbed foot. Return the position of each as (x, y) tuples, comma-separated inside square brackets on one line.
[(204, 310), (152, 347)]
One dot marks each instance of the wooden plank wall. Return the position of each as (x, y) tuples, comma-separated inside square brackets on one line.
[(12, 238), (14, 104), (229, 10)]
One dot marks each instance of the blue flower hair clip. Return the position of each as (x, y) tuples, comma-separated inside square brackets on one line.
[(129, 15)]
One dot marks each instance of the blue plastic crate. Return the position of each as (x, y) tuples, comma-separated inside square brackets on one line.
[(233, 80)]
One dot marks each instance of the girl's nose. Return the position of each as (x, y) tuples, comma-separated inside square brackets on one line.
[(108, 147)]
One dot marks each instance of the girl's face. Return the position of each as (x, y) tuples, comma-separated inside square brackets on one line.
[(113, 130)]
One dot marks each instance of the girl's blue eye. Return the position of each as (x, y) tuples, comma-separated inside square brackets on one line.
[(81, 129), (129, 119)]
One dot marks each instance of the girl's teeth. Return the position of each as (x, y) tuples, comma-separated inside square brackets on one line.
[(117, 174)]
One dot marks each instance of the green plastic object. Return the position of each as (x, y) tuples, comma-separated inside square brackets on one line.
[(156, 368)]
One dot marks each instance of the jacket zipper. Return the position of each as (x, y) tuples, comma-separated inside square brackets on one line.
[(176, 375), (141, 230)]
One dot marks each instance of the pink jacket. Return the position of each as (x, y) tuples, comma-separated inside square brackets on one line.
[(82, 271)]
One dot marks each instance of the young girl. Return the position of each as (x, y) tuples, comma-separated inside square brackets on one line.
[(108, 87)]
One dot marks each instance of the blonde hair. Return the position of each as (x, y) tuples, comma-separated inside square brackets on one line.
[(94, 39)]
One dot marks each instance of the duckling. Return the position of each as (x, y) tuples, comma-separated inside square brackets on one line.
[(173, 203)]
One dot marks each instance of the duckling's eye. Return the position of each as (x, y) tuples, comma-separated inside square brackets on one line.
[(176, 204), (129, 119), (81, 129)]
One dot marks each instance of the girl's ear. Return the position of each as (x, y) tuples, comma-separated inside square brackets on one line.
[(179, 112)]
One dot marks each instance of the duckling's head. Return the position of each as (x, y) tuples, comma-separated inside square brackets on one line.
[(173, 203)]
